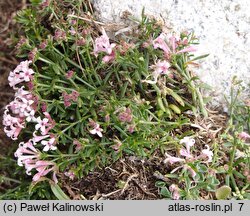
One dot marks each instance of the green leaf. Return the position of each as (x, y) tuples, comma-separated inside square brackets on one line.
[(160, 184), (58, 192), (175, 108), (199, 57), (165, 192), (238, 174), (35, 2), (176, 97), (171, 175), (223, 192)]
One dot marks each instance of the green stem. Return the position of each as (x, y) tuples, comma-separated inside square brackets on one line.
[(70, 126), (231, 164), (232, 156), (55, 86), (84, 82), (63, 155), (68, 59), (3, 178), (92, 66), (194, 90)]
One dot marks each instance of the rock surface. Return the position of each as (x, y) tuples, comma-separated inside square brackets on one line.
[(223, 28)]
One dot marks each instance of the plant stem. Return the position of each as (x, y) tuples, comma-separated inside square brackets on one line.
[(4, 178), (194, 90)]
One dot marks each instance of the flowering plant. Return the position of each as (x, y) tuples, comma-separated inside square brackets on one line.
[(85, 98)]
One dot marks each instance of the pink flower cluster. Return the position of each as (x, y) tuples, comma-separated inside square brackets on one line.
[(244, 136), (68, 98), (126, 116), (22, 73), (60, 35), (170, 44), (23, 107), (161, 67), (29, 157), (70, 174), (21, 111), (102, 44), (69, 74), (175, 190), (96, 128), (32, 54), (206, 155)]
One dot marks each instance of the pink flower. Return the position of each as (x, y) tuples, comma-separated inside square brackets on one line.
[(66, 99), (32, 54), (21, 42), (69, 74), (49, 144), (43, 45), (45, 3), (20, 93), (60, 35), (244, 136), (185, 153), (43, 107), (29, 163), (22, 73), (43, 168), (161, 67), (187, 49), (81, 42), (72, 31), (102, 44), (13, 125), (117, 145), (207, 153), (126, 116), (73, 22), (97, 130), (51, 123), (107, 118), (174, 42), (26, 151), (42, 125), (77, 144), (163, 40), (37, 139), (70, 174), (170, 159), (160, 43), (174, 189), (45, 124), (189, 142), (22, 106), (192, 172), (131, 128), (109, 58), (74, 96)]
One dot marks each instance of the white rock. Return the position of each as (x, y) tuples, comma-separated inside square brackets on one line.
[(223, 28)]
